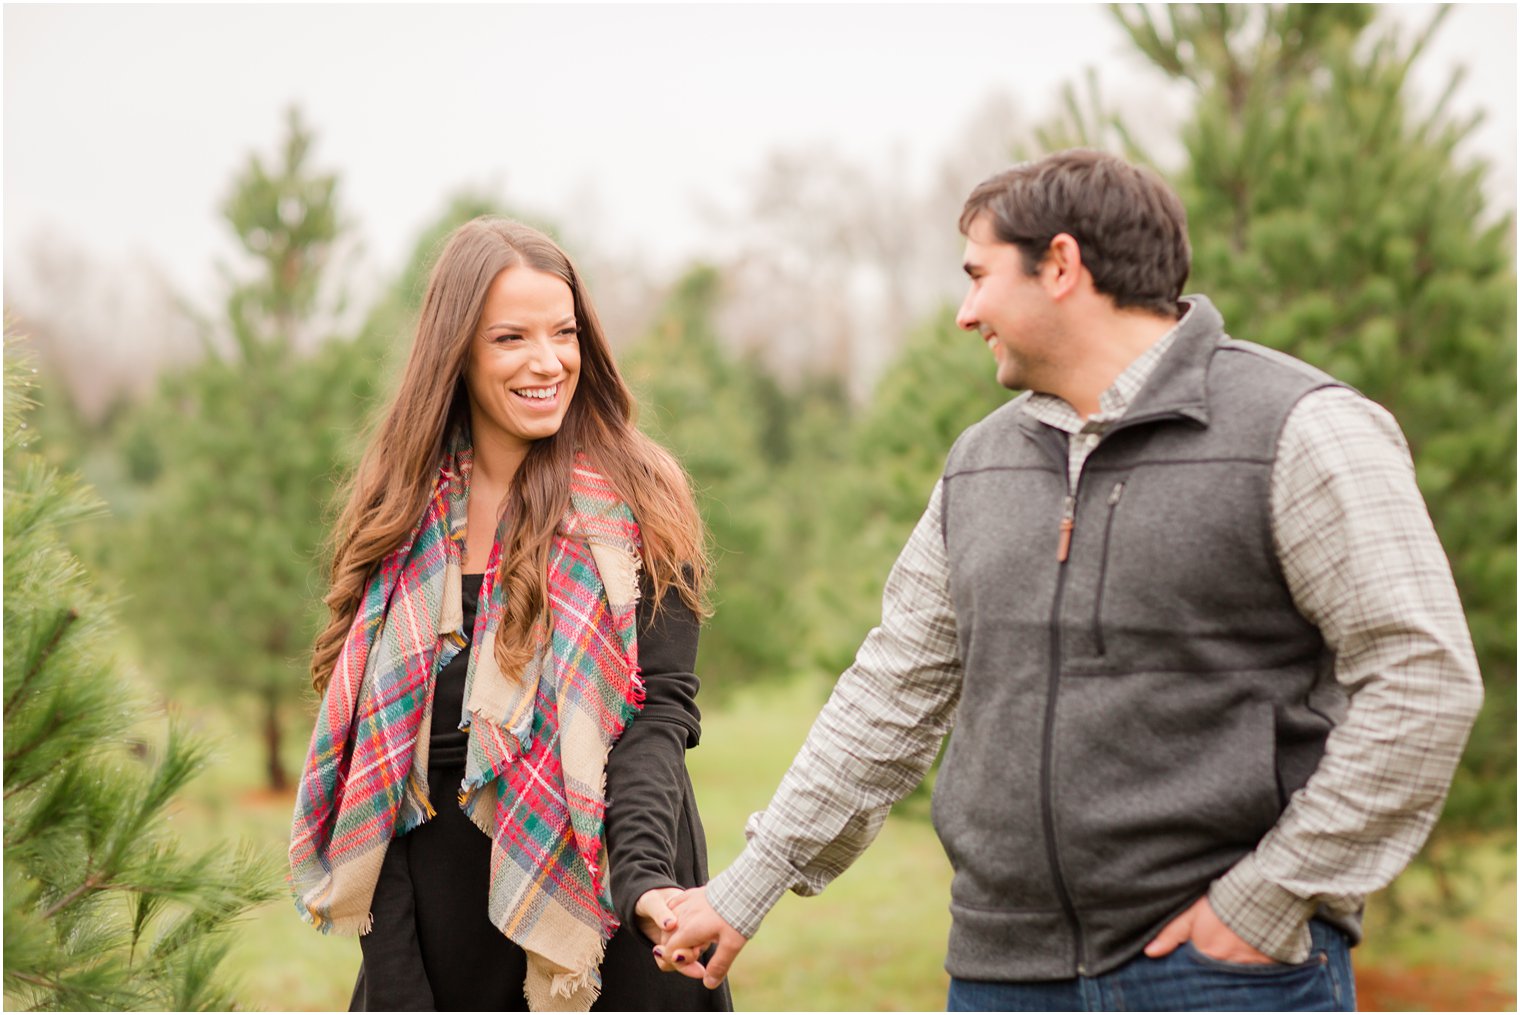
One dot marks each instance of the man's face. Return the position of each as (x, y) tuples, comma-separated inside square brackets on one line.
[(1009, 308)]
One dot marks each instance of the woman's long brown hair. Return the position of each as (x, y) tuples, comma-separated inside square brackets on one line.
[(387, 495)]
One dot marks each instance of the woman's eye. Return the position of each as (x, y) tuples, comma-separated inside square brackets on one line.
[(571, 332)]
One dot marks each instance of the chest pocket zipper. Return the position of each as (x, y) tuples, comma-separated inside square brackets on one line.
[(1108, 531)]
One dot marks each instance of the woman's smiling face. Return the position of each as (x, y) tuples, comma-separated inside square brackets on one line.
[(525, 358)]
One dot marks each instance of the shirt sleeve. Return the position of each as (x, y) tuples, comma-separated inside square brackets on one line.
[(1364, 565), (647, 782), (869, 747)]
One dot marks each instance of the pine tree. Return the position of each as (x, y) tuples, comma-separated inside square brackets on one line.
[(103, 910), (896, 452), (723, 421), (241, 455), (1332, 221)]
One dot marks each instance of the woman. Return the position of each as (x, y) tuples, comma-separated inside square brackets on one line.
[(490, 665)]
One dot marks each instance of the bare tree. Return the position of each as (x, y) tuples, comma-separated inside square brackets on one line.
[(103, 330)]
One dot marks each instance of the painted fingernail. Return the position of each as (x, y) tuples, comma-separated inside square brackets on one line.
[(669, 923), (659, 953), (680, 958)]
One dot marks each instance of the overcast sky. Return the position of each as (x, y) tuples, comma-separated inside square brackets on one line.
[(123, 125)]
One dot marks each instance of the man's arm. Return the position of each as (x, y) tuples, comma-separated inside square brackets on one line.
[(870, 746), (1364, 565)]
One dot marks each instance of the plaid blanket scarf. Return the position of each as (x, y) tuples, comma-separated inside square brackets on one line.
[(535, 774)]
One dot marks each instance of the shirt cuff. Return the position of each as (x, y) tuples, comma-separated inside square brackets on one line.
[(1263, 914), (748, 889)]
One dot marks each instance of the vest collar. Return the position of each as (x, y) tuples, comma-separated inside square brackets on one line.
[(1178, 387), (1179, 384)]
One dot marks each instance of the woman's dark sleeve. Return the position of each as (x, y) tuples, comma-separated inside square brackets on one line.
[(647, 785), (393, 977)]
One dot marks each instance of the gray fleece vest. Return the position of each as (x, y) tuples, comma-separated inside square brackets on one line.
[(1135, 717)]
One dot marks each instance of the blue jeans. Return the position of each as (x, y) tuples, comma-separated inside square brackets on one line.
[(1185, 980)]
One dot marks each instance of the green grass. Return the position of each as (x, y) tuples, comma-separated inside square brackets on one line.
[(875, 940)]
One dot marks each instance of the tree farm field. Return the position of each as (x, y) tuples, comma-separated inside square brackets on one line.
[(875, 940)]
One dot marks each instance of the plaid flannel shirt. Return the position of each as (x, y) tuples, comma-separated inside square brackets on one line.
[(1363, 564)]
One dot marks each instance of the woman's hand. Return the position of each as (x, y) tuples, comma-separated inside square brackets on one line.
[(656, 921)]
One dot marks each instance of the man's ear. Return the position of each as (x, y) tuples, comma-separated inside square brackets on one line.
[(1063, 271)]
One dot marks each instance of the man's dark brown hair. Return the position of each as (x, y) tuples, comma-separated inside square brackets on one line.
[(1130, 225)]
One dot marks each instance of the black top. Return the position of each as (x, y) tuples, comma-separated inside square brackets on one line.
[(446, 745)]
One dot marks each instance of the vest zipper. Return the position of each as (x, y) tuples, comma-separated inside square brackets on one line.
[(1108, 531), (1063, 550), (1068, 523)]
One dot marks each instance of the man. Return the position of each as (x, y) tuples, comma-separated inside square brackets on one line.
[(1207, 669)]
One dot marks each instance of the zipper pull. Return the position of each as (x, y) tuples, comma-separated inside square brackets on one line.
[(1113, 498), (1068, 522)]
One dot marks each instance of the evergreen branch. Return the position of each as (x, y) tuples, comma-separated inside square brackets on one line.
[(100, 999), (36, 981), (1426, 34), (60, 628), (1440, 112), (90, 884), (55, 721), (28, 784)]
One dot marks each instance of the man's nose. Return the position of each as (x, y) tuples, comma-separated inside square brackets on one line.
[(965, 318)]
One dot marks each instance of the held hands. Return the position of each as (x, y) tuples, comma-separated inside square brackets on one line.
[(693, 926), (654, 915), (1209, 935)]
